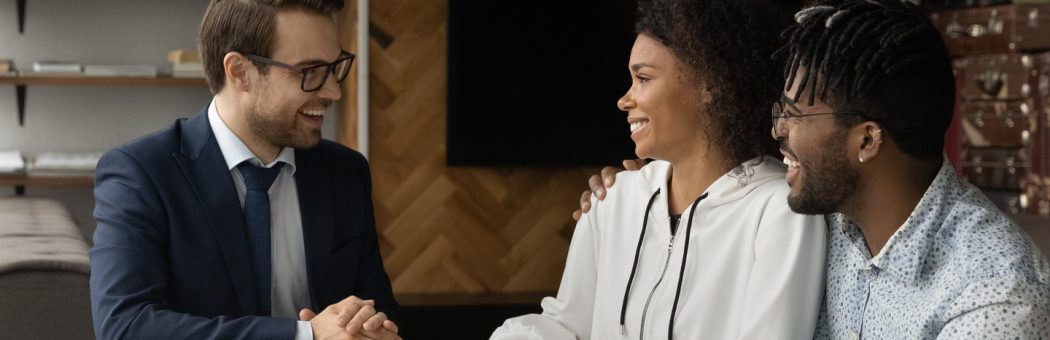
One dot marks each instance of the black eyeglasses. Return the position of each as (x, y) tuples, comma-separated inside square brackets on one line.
[(315, 76), (780, 116)]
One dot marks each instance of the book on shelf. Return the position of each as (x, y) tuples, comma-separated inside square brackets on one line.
[(11, 162), (48, 74), (181, 56), (64, 164), (185, 64), (149, 71), (187, 70), (56, 67), (6, 65)]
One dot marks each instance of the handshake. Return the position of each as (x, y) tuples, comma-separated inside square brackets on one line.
[(351, 318)]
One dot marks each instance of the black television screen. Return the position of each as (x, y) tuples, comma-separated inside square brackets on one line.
[(536, 83)]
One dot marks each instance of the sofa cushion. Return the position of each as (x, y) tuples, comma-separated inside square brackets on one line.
[(40, 234)]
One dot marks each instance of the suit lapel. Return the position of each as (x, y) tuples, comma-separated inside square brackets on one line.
[(314, 185), (205, 169)]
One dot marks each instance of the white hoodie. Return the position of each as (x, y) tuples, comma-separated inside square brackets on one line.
[(754, 269)]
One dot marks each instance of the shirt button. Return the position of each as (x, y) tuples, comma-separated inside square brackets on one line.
[(867, 272), (853, 336)]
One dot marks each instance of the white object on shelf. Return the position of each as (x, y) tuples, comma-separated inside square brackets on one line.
[(120, 70), (11, 162), (56, 67), (187, 67), (64, 163), (187, 70)]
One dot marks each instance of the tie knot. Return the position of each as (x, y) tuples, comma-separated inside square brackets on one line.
[(259, 178)]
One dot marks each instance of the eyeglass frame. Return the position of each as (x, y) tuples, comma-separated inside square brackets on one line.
[(783, 114), (343, 55)]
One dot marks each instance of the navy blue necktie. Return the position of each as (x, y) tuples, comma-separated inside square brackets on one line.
[(257, 181)]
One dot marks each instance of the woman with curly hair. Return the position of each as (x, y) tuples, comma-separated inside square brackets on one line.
[(698, 244)]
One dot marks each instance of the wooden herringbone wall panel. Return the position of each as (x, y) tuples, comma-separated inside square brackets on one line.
[(449, 230)]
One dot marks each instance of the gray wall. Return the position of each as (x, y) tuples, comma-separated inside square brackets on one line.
[(88, 118)]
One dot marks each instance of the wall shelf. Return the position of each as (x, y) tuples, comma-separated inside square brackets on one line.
[(20, 182), (21, 15), (74, 80), (102, 81)]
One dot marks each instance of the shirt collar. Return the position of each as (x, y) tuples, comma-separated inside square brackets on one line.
[(233, 149), (906, 250), (839, 223)]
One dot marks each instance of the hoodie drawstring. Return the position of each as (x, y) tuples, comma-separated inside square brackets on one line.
[(637, 254), (634, 267), (681, 273)]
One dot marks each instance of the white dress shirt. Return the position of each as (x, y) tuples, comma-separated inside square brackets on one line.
[(289, 289)]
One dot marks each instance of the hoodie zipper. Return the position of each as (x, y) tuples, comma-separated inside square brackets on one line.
[(645, 309), (681, 273)]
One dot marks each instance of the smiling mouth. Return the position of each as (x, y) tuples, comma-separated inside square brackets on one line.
[(312, 113), (638, 125), (789, 156), (794, 167)]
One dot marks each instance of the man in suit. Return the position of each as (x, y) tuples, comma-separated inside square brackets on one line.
[(240, 221)]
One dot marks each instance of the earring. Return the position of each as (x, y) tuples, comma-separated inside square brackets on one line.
[(879, 140), (862, 159)]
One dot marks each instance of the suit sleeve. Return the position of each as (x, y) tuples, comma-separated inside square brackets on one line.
[(569, 315), (129, 266), (786, 285), (372, 280)]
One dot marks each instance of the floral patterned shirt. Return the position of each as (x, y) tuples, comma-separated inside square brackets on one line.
[(958, 268)]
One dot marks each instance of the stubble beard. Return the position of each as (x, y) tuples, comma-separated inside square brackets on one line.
[(270, 127), (827, 185)]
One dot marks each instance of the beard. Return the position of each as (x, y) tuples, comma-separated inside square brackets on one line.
[(269, 125), (826, 183)]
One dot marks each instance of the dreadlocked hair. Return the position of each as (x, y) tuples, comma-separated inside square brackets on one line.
[(880, 58), (726, 45)]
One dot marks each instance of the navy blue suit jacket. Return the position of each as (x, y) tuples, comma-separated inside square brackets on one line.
[(171, 259)]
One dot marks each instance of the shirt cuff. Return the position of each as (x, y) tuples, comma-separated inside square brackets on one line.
[(303, 330)]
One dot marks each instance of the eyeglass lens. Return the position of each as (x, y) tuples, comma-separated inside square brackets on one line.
[(315, 76)]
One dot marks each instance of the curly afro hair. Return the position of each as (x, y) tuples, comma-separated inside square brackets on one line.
[(727, 46)]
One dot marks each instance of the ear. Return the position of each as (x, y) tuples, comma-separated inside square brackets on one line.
[(238, 71), (871, 137)]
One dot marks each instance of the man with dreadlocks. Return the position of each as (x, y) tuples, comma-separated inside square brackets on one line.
[(914, 253)]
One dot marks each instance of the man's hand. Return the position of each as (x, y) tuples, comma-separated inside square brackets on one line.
[(351, 318), (331, 323), (598, 184), (372, 324)]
